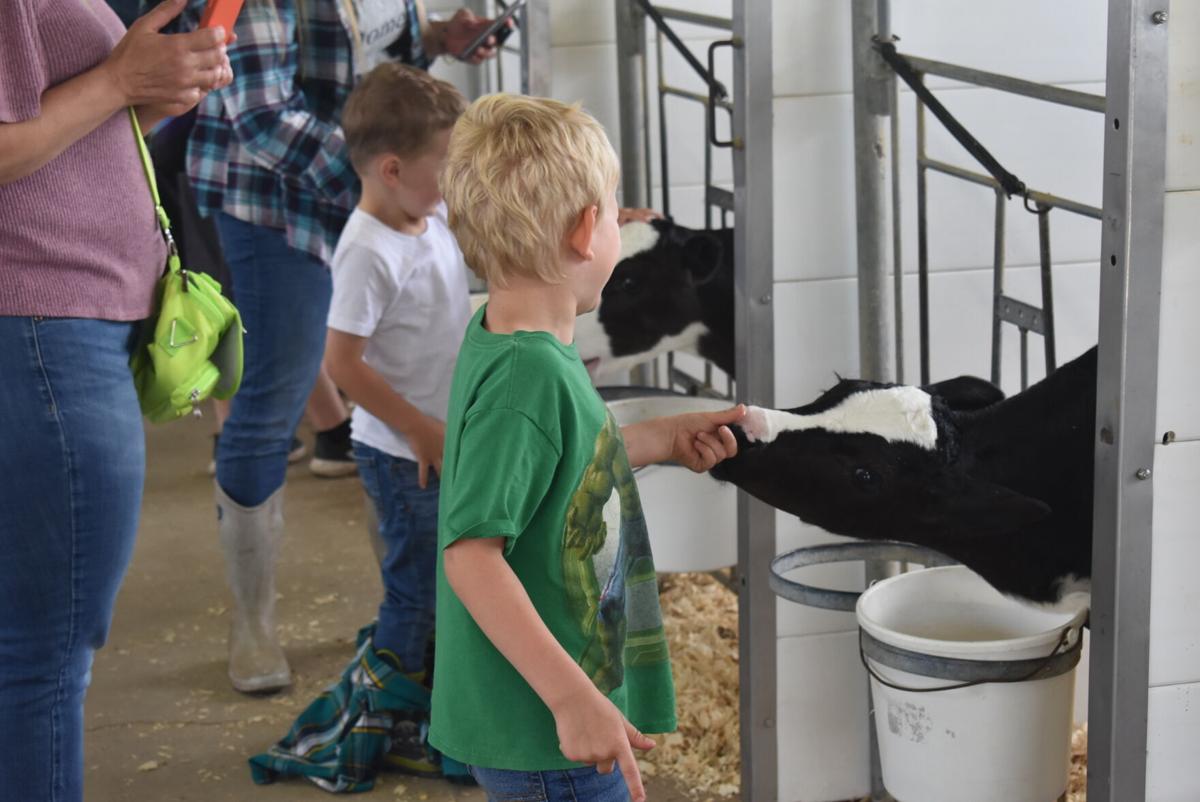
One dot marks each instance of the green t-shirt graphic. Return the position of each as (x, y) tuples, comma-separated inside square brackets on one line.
[(533, 456)]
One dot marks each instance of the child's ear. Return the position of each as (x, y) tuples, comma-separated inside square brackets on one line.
[(389, 166), (579, 238)]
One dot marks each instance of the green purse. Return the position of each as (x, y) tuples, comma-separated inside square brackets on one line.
[(191, 347)]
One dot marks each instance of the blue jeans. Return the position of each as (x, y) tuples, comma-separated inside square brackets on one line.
[(564, 785), (72, 464), (408, 524), (283, 295)]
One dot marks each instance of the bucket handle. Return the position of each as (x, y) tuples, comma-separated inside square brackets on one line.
[(1065, 643)]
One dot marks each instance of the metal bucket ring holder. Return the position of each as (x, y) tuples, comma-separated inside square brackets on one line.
[(964, 673)]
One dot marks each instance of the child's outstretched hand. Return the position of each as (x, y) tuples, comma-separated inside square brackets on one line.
[(592, 730), (699, 440), (428, 442)]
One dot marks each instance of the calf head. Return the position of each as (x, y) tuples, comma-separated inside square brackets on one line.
[(652, 303), (879, 462)]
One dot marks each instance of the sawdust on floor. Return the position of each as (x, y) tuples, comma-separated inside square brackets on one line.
[(700, 615)]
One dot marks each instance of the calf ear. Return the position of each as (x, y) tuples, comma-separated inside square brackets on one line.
[(702, 257), (972, 506), (966, 393)]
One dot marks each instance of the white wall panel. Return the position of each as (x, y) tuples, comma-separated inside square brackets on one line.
[(960, 321), (587, 74), (582, 22), (816, 337), (1060, 43), (1059, 150), (1174, 592), (816, 330), (810, 47), (1183, 97), (814, 188), (1055, 42), (823, 747), (1178, 364), (1172, 771)]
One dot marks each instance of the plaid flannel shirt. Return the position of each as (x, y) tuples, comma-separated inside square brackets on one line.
[(268, 149), (340, 739)]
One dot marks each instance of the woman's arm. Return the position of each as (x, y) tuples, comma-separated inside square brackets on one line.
[(145, 67)]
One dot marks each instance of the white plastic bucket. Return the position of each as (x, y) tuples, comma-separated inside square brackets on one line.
[(692, 517), (990, 742)]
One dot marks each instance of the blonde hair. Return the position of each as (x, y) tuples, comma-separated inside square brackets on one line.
[(520, 171), (397, 109)]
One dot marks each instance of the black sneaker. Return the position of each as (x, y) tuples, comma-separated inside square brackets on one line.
[(295, 454), (332, 454)]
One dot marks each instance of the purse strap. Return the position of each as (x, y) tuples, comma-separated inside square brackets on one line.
[(164, 222)]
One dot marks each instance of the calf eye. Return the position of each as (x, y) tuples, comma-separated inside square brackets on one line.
[(865, 479), (626, 284)]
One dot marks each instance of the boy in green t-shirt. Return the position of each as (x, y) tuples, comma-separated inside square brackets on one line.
[(551, 660)]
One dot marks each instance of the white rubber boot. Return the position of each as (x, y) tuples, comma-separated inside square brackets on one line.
[(250, 539)]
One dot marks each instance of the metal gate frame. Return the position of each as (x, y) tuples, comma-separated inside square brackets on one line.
[(1127, 381), (534, 51), (753, 200)]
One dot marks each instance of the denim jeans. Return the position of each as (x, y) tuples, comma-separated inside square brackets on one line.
[(283, 295), (408, 524), (72, 464), (564, 785)]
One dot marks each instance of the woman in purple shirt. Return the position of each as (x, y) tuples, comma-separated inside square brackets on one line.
[(79, 256)]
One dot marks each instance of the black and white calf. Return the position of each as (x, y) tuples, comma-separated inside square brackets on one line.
[(672, 290), (1004, 487)]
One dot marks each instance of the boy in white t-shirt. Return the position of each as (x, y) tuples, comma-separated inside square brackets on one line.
[(400, 307)]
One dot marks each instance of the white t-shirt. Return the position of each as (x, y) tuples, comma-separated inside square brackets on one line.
[(409, 296), (380, 23)]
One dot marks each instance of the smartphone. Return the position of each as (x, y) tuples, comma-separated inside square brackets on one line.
[(223, 13), (499, 28)]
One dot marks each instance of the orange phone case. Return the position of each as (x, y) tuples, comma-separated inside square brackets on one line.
[(223, 13)]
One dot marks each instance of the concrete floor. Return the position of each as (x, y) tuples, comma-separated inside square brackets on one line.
[(162, 722)]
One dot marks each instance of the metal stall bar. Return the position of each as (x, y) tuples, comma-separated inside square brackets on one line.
[(1007, 83), (631, 99), (753, 119), (536, 58), (534, 50), (1126, 397), (872, 138), (874, 141)]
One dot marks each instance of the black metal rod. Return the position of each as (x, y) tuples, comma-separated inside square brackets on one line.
[(922, 248), (662, 129), (997, 285), (1047, 287), (1024, 359), (1012, 185)]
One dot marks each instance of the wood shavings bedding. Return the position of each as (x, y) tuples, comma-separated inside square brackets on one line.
[(701, 622)]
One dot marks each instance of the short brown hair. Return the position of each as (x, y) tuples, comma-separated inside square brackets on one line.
[(519, 171), (397, 109)]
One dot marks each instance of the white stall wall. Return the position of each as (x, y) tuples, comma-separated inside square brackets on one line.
[(1174, 712), (822, 689)]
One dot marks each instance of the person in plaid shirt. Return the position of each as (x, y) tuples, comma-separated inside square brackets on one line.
[(267, 159)]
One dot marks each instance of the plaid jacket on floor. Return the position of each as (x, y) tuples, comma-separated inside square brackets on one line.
[(340, 739)]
